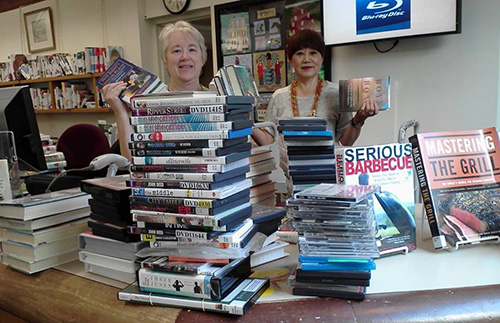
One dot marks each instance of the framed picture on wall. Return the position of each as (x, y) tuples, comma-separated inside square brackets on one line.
[(39, 30), (254, 33)]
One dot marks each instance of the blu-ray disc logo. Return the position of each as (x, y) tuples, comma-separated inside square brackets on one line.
[(380, 5), (380, 16)]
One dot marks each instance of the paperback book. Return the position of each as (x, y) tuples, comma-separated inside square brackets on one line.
[(37, 206), (353, 92), (459, 177), (139, 81), (390, 167)]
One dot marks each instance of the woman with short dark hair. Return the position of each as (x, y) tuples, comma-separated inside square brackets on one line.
[(309, 95)]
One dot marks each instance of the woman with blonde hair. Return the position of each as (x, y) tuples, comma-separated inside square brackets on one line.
[(184, 53)]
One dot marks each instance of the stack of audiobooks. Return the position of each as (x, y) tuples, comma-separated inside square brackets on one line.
[(109, 249), (306, 153), (336, 227), (262, 163), (39, 232), (190, 196), (55, 159), (390, 167)]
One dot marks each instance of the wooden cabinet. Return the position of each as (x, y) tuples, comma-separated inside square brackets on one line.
[(54, 82)]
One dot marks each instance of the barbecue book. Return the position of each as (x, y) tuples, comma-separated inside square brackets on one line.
[(139, 80), (389, 166), (353, 92), (459, 177)]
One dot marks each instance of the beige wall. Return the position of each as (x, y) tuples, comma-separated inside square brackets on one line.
[(80, 23)]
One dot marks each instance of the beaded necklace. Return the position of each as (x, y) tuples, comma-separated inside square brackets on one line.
[(293, 98)]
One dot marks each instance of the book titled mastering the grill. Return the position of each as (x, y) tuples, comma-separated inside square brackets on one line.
[(459, 177)]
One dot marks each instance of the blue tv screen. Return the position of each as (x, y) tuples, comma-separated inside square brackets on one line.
[(355, 21)]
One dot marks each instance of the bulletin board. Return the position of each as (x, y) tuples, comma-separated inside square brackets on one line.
[(254, 33)]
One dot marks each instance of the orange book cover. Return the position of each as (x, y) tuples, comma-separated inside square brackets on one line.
[(459, 177)]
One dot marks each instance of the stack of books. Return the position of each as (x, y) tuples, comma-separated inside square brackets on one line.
[(40, 232), (190, 196), (336, 227), (109, 248), (55, 159), (306, 153), (109, 257), (262, 163)]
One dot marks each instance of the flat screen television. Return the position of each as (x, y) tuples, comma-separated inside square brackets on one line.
[(355, 21), (17, 115)]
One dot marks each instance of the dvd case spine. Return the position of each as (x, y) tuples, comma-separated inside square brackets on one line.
[(178, 118), (214, 194), (192, 135)]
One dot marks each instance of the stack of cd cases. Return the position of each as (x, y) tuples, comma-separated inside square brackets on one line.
[(190, 198), (336, 228), (306, 153)]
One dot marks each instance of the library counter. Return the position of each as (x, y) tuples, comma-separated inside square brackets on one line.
[(56, 296)]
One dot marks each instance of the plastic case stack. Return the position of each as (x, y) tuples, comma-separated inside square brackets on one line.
[(306, 153), (190, 195), (336, 228), (262, 163), (109, 249)]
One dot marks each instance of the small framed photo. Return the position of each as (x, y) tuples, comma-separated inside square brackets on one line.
[(39, 30)]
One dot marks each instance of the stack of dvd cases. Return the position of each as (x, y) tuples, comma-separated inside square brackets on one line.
[(337, 244), (306, 153), (190, 195), (109, 249)]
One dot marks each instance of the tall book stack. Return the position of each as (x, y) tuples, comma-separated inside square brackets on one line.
[(389, 166), (306, 153), (109, 249), (336, 227), (262, 163), (40, 232), (190, 196)]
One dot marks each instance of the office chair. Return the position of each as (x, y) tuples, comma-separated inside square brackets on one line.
[(80, 144)]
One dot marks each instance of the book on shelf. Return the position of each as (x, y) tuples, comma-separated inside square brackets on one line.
[(238, 302), (139, 80), (353, 92), (38, 206), (458, 173), (390, 167)]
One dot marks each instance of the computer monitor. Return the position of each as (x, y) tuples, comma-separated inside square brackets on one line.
[(17, 115)]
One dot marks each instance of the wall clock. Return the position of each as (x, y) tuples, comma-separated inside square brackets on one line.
[(176, 6)]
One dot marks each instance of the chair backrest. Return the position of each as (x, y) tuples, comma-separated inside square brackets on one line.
[(81, 143)]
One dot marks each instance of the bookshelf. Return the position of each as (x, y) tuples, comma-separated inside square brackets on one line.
[(56, 81)]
